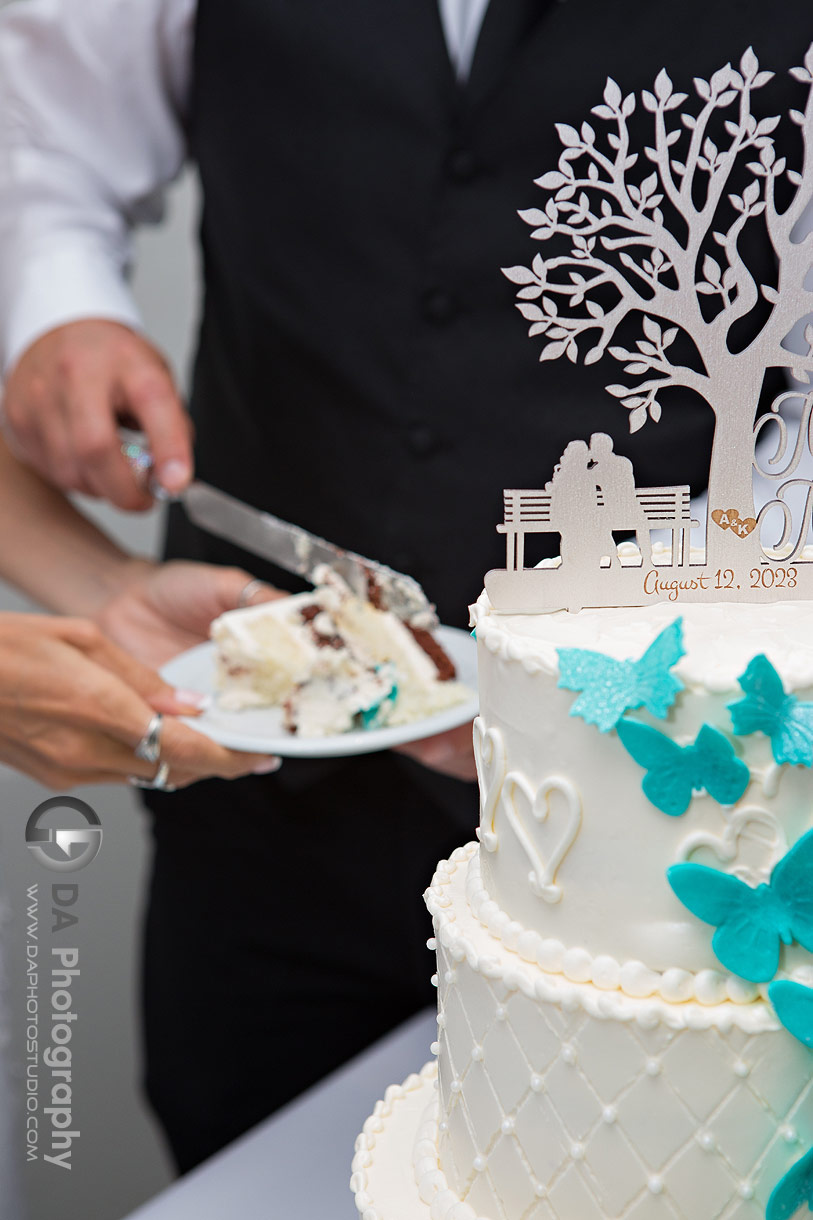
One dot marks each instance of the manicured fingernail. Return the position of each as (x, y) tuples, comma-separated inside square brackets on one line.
[(174, 474), (266, 767), (193, 698)]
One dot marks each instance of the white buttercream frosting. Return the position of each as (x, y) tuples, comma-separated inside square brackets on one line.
[(539, 1074), (458, 930), (377, 1132), (720, 638), (604, 972), (603, 1106), (563, 812), (592, 1053)]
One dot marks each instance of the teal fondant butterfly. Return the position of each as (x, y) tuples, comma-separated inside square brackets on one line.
[(610, 687), (793, 1191), (767, 709), (794, 1007), (752, 922), (674, 772)]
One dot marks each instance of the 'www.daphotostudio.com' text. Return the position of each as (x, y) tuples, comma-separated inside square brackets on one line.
[(52, 969)]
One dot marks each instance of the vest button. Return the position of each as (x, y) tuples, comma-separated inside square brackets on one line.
[(462, 165), (422, 440), (438, 306)]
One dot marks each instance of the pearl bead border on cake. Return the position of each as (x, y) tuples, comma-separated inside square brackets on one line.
[(707, 987), (436, 1201), (753, 1014)]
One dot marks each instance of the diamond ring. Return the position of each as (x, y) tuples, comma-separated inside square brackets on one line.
[(149, 748)]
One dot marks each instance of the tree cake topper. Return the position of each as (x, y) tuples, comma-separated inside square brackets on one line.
[(645, 239)]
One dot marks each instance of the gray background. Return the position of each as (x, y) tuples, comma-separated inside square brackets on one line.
[(118, 1160)]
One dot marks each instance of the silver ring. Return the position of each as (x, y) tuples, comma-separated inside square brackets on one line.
[(149, 748), (247, 592), (159, 780)]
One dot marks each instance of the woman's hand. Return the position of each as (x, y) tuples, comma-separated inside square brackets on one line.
[(160, 610), (73, 707)]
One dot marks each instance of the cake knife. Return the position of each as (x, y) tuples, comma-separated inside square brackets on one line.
[(289, 546)]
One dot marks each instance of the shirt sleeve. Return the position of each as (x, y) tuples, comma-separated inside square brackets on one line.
[(92, 106)]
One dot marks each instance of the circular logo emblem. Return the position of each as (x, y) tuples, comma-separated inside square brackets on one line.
[(56, 847)]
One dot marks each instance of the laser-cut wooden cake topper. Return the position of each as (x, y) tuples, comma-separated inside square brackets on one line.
[(613, 255)]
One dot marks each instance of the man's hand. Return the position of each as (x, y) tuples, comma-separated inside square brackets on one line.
[(450, 753), (163, 609), (70, 390)]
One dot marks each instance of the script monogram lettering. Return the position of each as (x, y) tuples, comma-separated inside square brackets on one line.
[(794, 534)]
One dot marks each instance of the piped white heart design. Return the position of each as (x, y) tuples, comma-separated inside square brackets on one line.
[(727, 846), (536, 803), (489, 760)]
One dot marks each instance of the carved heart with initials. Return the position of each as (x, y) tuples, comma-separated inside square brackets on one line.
[(489, 760), (729, 518), (545, 837)]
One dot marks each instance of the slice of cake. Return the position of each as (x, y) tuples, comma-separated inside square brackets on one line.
[(332, 661)]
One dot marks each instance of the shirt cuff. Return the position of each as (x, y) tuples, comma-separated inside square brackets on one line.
[(60, 285)]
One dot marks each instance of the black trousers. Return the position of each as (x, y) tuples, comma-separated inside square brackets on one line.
[(285, 931)]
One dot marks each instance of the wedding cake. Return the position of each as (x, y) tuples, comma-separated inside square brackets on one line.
[(625, 1009), (595, 1058)]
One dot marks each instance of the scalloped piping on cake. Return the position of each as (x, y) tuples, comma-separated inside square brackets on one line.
[(675, 986), (433, 1185), (373, 1127), (431, 1181), (648, 1010)]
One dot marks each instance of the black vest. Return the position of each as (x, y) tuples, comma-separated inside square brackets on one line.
[(362, 369)]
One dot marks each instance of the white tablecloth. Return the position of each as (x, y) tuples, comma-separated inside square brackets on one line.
[(297, 1164)]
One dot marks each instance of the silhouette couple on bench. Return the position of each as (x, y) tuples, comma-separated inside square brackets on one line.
[(593, 493)]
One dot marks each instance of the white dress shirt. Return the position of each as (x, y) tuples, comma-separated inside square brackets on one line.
[(92, 99)]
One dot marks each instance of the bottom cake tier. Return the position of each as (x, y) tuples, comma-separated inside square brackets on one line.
[(384, 1179), (557, 1100)]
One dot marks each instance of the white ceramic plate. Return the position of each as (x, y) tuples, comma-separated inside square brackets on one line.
[(260, 731)]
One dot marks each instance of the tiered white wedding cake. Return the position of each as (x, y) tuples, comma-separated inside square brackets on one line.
[(625, 1010), (595, 1059)]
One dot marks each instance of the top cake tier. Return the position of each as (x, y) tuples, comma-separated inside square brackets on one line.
[(573, 853)]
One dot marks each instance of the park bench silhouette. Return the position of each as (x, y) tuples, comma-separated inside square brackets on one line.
[(529, 512)]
